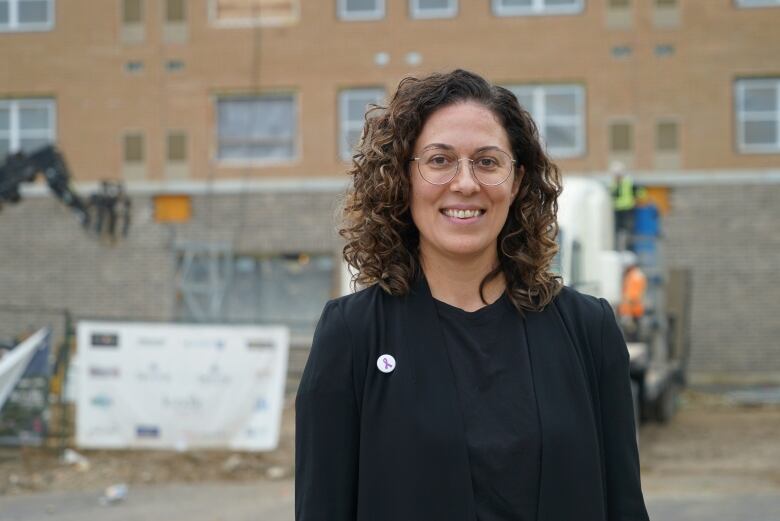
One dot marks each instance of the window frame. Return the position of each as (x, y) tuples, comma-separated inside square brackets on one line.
[(742, 4), (265, 161), (13, 25), (538, 92), (537, 8), (346, 125), (14, 134), (740, 117), (260, 21), (417, 13), (364, 16)]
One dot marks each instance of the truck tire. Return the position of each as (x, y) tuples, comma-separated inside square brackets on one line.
[(665, 406)]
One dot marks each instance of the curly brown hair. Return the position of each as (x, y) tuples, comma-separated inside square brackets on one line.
[(382, 242)]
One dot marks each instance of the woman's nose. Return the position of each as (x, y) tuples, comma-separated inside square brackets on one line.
[(464, 180)]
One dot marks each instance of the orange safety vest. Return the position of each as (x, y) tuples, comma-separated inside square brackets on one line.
[(634, 287)]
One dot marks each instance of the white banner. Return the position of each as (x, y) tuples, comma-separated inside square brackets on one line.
[(177, 386), (13, 364)]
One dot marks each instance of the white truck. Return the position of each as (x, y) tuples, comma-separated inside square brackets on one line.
[(590, 261)]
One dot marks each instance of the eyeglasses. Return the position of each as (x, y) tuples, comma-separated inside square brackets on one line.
[(490, 167)]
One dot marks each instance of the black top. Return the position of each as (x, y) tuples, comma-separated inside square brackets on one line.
[(489, 356)]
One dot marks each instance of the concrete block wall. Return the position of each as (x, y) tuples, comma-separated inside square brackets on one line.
[(730, 236)]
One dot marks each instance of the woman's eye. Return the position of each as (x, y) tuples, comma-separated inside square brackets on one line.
[(439, 161), (487, 162)]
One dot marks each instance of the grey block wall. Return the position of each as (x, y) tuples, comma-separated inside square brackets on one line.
[(48, 262), (730, 236)]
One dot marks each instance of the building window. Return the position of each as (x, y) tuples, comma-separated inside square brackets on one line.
[(175, 11), (132, 12), (757, 3), (621, 137), (133, 148), (176, 147), (26, 15), (666, 136), (536, 7), (247, 13), (559, 112), (26, 125), (758, 115), (353, 104), (433, 8), (257, 128), (361, 9)]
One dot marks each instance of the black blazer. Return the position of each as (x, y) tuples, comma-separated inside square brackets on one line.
[(375, 446)]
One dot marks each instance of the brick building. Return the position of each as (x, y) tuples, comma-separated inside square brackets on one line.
[(246, 111)]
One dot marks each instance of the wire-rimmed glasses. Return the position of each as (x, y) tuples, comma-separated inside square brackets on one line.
[(490, 166)]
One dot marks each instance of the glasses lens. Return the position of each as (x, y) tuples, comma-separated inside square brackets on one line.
[(437, 167), (492, 167)]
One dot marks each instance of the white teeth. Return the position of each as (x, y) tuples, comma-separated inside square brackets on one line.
[(462, 214)]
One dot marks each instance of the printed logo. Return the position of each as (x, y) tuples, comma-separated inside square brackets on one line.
[(103, 371), (147, 431), (105, 340), (99, 431), (260, 343), (204, 343), (146, 341), (102, 401), (183, 404), (214, 376), (261, 404), (153, 374)]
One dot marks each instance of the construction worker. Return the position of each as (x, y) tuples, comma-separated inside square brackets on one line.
[(632, 305)]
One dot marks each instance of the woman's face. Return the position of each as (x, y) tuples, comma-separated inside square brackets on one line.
[(460, 220)]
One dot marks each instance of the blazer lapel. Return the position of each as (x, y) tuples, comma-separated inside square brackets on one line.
[(444, 464), (570, 449)]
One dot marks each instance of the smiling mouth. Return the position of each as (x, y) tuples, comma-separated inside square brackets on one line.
[(462, 214)]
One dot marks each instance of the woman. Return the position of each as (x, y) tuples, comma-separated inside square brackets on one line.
[(464, 383)]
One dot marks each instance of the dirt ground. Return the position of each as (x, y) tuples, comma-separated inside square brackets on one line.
[(711, 446)]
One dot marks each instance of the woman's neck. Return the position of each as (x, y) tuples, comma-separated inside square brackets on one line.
[(456, 280)]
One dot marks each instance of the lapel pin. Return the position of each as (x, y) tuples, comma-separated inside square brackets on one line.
[(385, 363)]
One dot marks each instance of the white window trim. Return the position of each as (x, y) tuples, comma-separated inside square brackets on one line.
[(744, 116), (260, 21), (13, 19), (345, 124), (538, 111), (419, 13), (749, 4), (376, 14), (259, 162), (14, 135), (537, 8)]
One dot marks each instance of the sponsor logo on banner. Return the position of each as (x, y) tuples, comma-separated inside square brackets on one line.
[(260, 343), (255, 432), (153, 374), (204, 343), (183, 404), (112, 429), (214, 376), (102, 401), (104, 371), (105, 340), (148, 341), (147, 431)]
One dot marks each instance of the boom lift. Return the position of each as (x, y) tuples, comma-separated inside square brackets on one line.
[(105, 213)]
